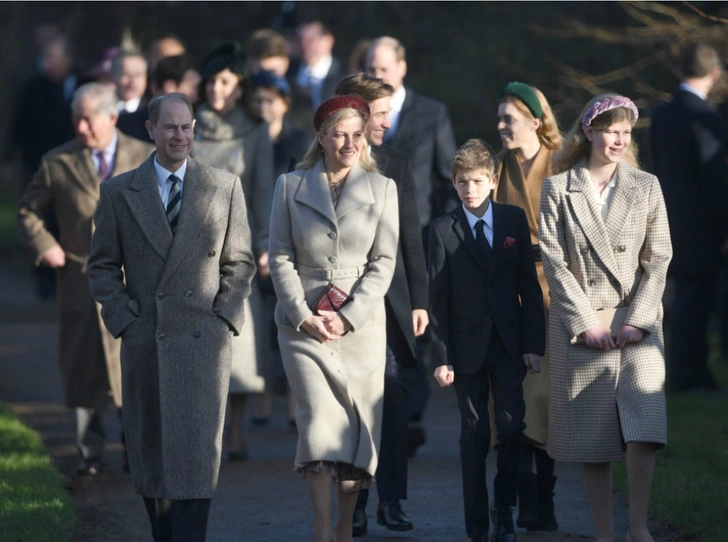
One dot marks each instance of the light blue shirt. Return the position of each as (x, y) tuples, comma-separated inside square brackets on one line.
[(487, 218), (693, 90), (109, 153), (165, 185)]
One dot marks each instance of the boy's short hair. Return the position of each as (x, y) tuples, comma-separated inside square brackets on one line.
[(474, 154)]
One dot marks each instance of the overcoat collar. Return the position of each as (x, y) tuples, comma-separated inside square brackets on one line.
[(313, 191), (602, 234)]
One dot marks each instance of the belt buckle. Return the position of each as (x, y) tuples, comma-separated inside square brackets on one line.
[(328, 274)]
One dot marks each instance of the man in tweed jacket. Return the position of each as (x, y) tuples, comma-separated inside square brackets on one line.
[(173, 290)]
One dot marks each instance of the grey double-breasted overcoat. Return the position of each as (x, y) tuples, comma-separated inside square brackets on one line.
[(338, 385), (601, 399), (175, 301)]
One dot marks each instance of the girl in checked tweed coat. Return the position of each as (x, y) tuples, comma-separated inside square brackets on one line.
[(605, 244)]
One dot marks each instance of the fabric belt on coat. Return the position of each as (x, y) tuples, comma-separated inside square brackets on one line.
[(326, 273), (536, 253)]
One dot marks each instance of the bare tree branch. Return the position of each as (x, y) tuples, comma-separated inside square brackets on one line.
[(704, 15)]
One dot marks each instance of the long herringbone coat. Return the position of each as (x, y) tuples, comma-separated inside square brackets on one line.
[(600, 400), (174, 300), (67, 181), (339, 385)]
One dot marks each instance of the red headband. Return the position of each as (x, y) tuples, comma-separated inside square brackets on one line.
[(337, 103)]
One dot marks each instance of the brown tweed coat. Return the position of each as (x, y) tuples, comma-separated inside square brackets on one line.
[(174, 300), (339, 385), (525, 192), (600, 400), (67, 181)]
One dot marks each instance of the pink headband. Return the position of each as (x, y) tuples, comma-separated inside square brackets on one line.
[(606, 104)]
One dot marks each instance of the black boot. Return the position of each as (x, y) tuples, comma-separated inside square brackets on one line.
[(390, 513), (359, 523), (527, 501), (503, 530), (546, 517)]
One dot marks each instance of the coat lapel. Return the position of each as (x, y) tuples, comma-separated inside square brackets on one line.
[(313, 191), (123, 161), (198, 196), (146, 206), (82, 169), (357, 192), (587, 215), (499, 237), (621, 202), (462, 229)]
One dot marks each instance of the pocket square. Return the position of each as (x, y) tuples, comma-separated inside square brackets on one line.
[(509, 242)]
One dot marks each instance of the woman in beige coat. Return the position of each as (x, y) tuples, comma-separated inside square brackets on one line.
[(335, 220), (605, 244), (530, 138)]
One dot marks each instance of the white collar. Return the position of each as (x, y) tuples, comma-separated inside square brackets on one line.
[(397, 100), (131, 105), (321, 69), (693, 90), (487, 217), (163, 174)]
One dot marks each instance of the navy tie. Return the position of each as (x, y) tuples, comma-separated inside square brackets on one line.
[(481, 239), (174, 202)]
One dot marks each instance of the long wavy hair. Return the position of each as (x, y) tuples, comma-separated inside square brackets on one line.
[(316, 151), (548, 132), (576, 145)]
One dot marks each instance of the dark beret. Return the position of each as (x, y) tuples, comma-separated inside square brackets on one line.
[(228, 55), (332, 105)]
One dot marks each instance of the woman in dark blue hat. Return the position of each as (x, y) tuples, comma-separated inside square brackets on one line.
[(230, 135)]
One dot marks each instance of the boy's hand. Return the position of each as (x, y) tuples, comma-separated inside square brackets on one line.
[(420, 320), (532, 362), (445, 375)]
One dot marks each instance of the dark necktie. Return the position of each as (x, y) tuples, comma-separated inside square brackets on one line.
[(481, 239), (174, 202), (104, 169)]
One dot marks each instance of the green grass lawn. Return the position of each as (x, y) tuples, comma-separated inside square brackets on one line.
[(690, 488), (34, 505)]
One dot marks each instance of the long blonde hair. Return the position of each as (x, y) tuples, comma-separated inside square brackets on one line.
[(315, 150), (548, 132), (576, 145)]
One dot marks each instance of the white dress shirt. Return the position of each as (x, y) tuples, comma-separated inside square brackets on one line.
[(395, 109), (487, 218), (605, 197), (313, 78), (165, 185), (130, 106)]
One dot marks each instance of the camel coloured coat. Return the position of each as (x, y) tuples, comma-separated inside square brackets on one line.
[(339, 385)]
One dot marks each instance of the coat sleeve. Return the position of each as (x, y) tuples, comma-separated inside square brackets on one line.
[(105, 269), (33, 206), (568, 300), (708, 135), (263, 186), (237, 263), (282, 259), (439, 279), (370, 291), (533, 338), (410, 235), (655, 258)]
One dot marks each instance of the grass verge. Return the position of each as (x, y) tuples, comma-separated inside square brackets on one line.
[(34, 505), (690, 487)]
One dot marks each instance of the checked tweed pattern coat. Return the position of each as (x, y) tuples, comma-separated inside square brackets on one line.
[(601, 400)]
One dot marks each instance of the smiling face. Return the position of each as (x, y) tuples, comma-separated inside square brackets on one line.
[(379, 120), (223, 91), (609, 144), (516, 130), (382, 63), (132, 78), (271, 105), (343, 144), (172, 134), (473, 187)]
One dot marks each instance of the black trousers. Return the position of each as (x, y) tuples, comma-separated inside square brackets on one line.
[(505, 378), (178, 521), (691, 310), (391, 472)]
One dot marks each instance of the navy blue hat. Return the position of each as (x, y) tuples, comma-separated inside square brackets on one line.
[(268, 78), (228, 55)]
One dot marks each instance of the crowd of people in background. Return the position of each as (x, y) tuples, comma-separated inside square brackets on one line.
[(494, 269)]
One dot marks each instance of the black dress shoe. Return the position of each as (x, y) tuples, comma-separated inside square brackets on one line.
[(390, 513), (90, 467), (503, 530), (359, 524), (479, 538)]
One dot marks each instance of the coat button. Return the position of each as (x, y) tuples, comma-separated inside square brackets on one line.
[(160, 336), (161, 295), (332, 235), (197, 334), (211, 253), (188, 293), (621, 248), (332, 259), (585, 250), (592, 282)]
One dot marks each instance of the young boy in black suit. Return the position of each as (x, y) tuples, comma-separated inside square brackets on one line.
[(488, 327)]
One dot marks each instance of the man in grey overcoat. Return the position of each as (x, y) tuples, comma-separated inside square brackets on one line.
[(171, 265), (67, 182)]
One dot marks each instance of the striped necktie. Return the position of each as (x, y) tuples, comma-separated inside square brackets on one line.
[(174, 202)]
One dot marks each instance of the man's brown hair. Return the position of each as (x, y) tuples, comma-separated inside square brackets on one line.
[(367, 86), (267, 43), (155, 105), (474, 154), (698, 60)]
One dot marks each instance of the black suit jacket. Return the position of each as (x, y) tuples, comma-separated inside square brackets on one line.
[(302, 110), (689, 155), (468, 295), (425, 135), (133, 124), (408, 290)]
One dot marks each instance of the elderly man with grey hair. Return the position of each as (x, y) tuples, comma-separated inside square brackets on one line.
[(68, 181)]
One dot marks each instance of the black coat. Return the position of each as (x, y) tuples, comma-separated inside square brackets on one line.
[(425, 135), (408, 290), (289, 149), (689, 155), (468, 295), (133, 124)]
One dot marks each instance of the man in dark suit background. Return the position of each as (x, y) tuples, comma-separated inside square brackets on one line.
[(688, 145), (406, 305)]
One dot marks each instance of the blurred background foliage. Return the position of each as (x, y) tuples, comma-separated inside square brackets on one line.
[(461, 53)]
